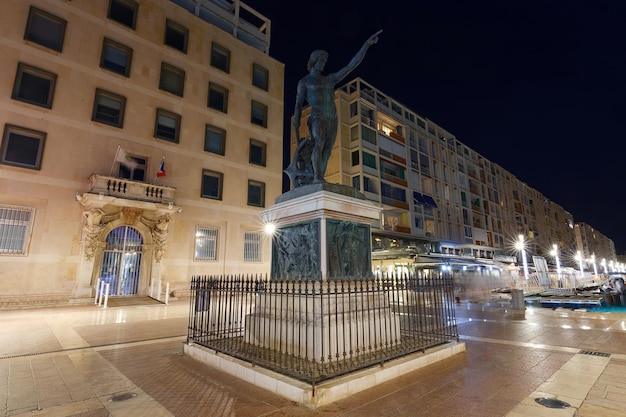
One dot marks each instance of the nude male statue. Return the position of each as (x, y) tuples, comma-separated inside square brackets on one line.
[(319, 91)]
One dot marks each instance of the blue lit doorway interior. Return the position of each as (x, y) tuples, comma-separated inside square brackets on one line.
[(121, 261)]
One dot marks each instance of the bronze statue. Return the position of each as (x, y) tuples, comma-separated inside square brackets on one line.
[(309, 161)]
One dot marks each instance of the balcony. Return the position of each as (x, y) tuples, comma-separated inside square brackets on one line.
[(235, 17), (131, 190)]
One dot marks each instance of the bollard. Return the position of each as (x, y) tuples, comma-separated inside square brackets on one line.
[(95, 300), (106, 296), (517, 300), (101, 292)]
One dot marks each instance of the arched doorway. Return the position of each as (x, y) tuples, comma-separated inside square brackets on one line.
[(121, 261)]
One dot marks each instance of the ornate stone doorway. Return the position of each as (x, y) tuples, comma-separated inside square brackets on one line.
[(121, 261)]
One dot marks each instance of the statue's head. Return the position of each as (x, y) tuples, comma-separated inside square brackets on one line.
[(315, 57)]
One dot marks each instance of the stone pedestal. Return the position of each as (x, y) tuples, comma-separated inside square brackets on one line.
[(321, 321), (322, 232)]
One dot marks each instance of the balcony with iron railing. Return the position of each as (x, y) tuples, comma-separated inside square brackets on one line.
[(131, 190), (234, 17)]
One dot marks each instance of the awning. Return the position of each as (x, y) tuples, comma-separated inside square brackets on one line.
[(419, 199), (429, 201)]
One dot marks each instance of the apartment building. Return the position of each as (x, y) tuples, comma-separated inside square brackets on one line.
[(594, 247), (439, 195), (140, 140)]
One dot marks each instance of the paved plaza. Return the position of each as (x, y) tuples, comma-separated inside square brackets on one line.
[(87, 361)]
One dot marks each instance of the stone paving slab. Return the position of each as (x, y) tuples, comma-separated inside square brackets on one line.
[(507, 360)]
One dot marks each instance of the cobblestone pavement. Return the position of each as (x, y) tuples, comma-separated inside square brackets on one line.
[(86, 361)]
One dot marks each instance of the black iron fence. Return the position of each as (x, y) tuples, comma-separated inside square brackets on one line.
[(313, 330)]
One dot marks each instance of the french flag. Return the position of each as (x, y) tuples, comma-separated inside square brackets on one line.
[(161, 171)]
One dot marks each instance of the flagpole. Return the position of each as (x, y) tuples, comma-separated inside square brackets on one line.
[(156, 175), (115, 159)]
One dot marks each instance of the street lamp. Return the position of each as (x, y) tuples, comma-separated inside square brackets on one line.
[(579, 258), (519, 245), (555, 253), (269, 228), (593, 263)]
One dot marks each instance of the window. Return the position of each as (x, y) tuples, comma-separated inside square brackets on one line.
[(15, 227), (133, 168), (368, 135), (124, 12), (108, 108), (257, 152), (220, 57), (176, 36), (215, 140), (45, 29), (260, 77), (172, 79), (252, 247), (256, 193), (34, 86), (206, 244), (369, 160), (211, 184), (116, 57), (353, 109), (22, 147), (369, 185), (258, 114), (218, 98), (355, 158), (167, 125), (356, 182)]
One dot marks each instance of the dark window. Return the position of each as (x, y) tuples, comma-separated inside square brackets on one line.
[(167, 125), (133, 168), (220, 57), (356, 182), (172, 79), (256, 193), (124, 12), (116, 57), (260, 77), (257, 152), (45, 29), (353, 109), (108, 108), (355, 158), (22, 147), (212, 184), (176, 35), (258, 114), (34, 86), (215, 140), (218, 98)]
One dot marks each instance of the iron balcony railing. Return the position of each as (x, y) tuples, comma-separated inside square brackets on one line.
[(313, 330)]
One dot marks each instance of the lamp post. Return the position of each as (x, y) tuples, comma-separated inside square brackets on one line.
[(603, 263), (519, 245), (579, 258), (555, 253), (593, 263)]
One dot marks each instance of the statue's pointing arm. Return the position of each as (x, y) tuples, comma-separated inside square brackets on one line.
[(356, 60)]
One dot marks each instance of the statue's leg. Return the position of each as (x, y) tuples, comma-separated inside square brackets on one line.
[(330, 133), (316, 127)]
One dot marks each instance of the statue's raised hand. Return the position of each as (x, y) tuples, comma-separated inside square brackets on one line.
[(374, 38)]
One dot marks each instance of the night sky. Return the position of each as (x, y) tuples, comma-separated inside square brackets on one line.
[(536, 86)]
